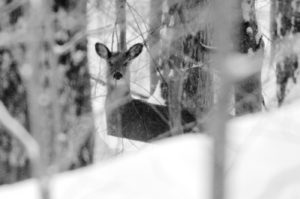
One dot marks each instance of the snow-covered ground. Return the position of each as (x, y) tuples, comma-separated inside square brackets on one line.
[(263, 163)]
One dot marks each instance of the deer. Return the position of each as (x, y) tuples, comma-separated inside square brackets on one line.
[(137, 119)]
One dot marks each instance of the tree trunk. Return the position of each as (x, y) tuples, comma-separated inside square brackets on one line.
[(248, 95), (186, 65), (154, 38), (172, 64), (285, 23), (121, 24)]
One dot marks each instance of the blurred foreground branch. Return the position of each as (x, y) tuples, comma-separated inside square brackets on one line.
[(225, 21), (30, 145)]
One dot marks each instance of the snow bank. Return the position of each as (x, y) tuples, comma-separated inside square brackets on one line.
[(263, 162)]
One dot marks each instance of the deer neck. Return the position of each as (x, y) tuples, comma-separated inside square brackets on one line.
[(118, 91)]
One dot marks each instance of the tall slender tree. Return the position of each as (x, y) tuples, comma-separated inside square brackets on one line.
[(154, 38)]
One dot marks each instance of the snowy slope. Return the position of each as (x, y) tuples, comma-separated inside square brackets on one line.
[(263, 163)]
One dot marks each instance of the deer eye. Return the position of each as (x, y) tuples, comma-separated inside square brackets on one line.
[(110, 63)]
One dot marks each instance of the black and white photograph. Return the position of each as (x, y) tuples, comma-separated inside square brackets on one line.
[(149, 99)]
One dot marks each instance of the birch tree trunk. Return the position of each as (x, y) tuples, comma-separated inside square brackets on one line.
[(248, 94), (285, 24)]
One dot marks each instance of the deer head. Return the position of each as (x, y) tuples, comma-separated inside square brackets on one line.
[(118, 61)]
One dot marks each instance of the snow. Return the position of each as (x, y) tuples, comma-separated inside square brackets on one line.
[(263, 162)]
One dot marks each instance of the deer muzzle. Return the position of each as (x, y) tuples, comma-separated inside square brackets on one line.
[(117, 75)]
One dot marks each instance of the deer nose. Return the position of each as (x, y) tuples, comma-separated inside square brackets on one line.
[(117, 75)]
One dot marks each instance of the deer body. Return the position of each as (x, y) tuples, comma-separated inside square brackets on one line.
[(136, 119)]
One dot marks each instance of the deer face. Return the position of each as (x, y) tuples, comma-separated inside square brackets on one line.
[(118, 61)]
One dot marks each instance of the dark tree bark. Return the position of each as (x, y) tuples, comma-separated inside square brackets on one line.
[(285, 23), (248, 95)]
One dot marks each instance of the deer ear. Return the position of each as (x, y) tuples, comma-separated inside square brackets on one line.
[(134, 51), (102, 51)]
